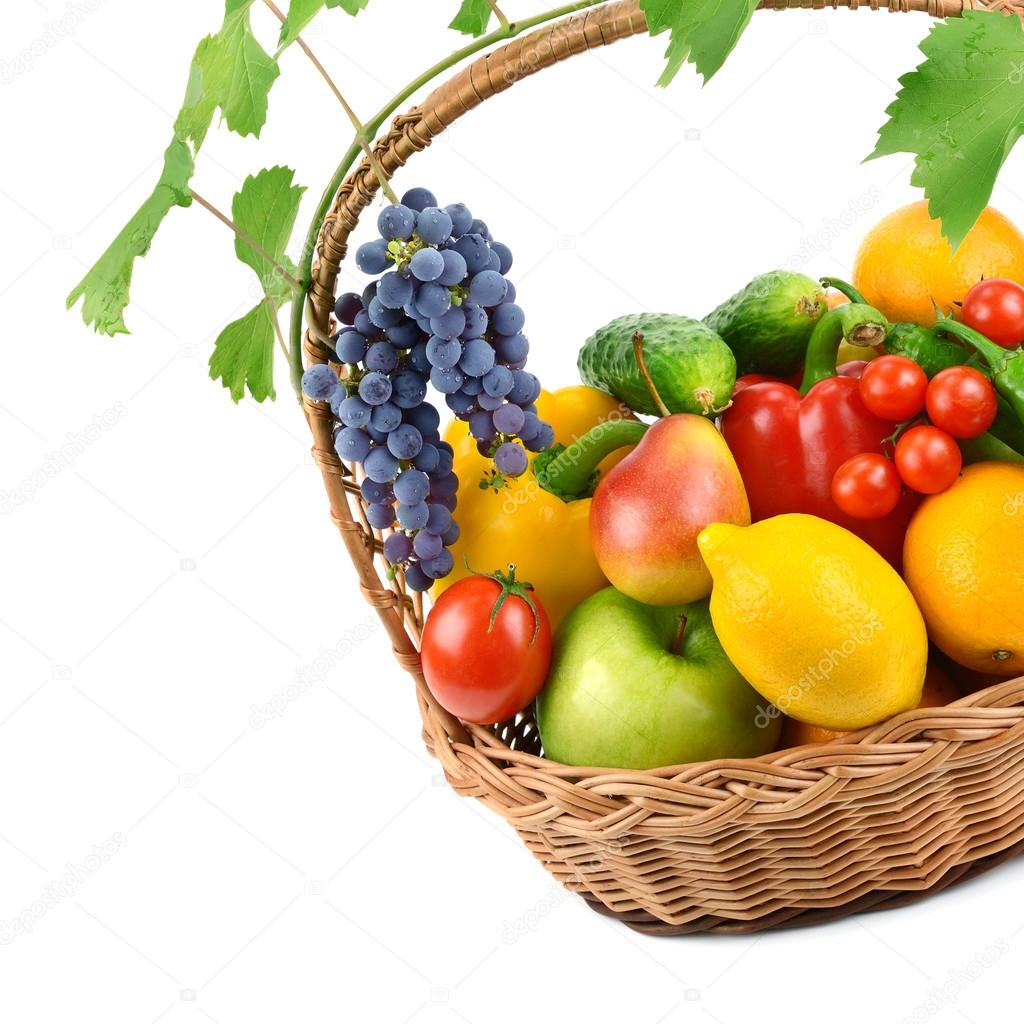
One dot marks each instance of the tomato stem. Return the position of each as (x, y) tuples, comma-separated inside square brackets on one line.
[(510, 587)]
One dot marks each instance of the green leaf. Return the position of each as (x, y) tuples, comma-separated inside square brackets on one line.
[(302, 12), (960, 113), (702, 31), (106, 286), (243, 355), (473, 17), (265, 208), (230, 70)]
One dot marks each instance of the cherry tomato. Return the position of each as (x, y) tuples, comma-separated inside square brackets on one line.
[(996, 308), (961, 401), (893, 388), (928, 459), (486, 648), (867, 486)]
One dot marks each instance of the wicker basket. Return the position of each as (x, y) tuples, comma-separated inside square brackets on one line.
[(799, 836)]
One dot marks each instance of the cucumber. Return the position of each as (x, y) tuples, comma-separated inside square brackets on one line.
[(769, 322), (692, 368)]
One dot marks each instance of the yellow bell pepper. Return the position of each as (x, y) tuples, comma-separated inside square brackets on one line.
[(546, 538)]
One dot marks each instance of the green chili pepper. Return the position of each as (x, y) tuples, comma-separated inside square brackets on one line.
[(987, 448), (1005, 365)]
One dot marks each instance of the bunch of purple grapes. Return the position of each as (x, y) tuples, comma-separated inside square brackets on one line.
[(441, 311)]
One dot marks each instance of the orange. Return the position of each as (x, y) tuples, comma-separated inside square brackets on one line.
[(904, 262), (963, 560), (938, 692)]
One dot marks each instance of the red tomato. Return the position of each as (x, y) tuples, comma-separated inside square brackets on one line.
[(928, 459), (962, 401), (996, 309), (867, 486), (480, 670), (893, 387)]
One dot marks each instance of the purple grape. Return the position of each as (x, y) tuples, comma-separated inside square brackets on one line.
[(339, 396), (508, 318), (380, 516), (404, 334), (444, 487), (498, 381), (472, 386), (462, 219), (372, 257), (397, 548), (480, 227), (319, 383), (427, 265), (493, 261), (428, 458), (474, 250), (448, 500), (381, 355), (346, 307), (454, 268), (489, 402), (416, 578), (511, 348), (352, 444), (477, 357), (419, 199), (378, 436), (488, 288), (385, 417), (439, 519), (530, 427), (446, 458), (439, 567), (452, 534), (425, 418), (447, 381), (375, 388), (350, 346), (427, 545), (444, 353), (408, 389), (460, 403), (382, 316), (504, 256), (510, 459), (543, 441), (418, 357), (396, 221), (434, 226), (481, 426), (412, 486), (363, 325), (405, 441), (477, 320), (369, 293), (375, 493), (508, 419), (394, 291), (413, 517), (381, 465), (525, 388), (433, 300), (449, 324)]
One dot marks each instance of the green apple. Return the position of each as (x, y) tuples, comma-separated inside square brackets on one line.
[(636, 686)]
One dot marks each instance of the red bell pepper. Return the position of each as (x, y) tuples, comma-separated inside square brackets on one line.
[(788, 443)]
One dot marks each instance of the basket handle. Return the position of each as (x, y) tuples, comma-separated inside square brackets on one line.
[(493, 73)]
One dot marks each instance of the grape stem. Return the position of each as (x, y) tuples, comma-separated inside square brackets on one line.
[(370, 130), (356, 123), (254, 245)]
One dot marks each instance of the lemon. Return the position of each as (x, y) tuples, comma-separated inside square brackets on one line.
[(816, 620)]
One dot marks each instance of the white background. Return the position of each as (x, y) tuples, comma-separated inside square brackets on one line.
[(181, 567)]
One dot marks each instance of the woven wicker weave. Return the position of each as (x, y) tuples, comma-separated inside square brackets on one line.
[(798, 836)]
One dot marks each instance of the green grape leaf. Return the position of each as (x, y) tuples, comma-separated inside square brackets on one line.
[(230, 70), (703, 32), (265, 209), (243, 355), (302, 12), (960, 113), (473, 17), (105, 288)]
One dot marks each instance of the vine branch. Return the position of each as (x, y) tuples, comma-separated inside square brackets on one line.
[(361, 136), (499, 13), (293, 283)]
